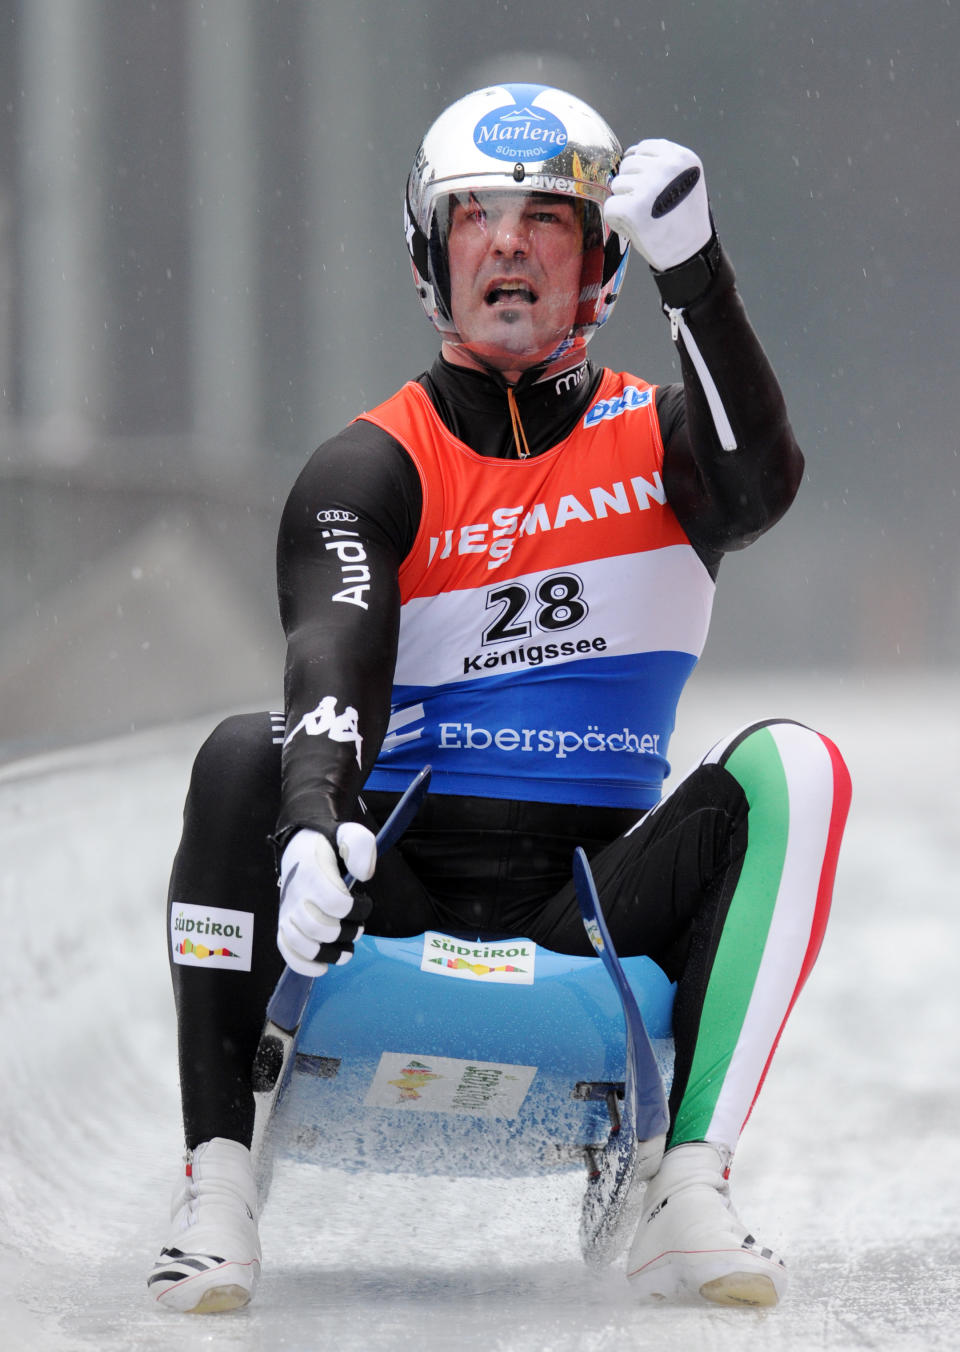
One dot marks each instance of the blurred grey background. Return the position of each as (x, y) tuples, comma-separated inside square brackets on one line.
[(203, 275)]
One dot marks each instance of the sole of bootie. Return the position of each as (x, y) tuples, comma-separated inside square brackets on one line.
[(669, 1279), (220, 1299), (750, 1289)]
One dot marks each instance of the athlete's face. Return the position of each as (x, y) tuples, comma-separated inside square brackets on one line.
[(515, 263)]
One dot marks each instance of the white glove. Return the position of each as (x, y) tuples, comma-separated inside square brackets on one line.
[(659, 203), (319, 917)]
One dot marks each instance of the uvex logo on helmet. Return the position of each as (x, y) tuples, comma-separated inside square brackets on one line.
[(520, 130)]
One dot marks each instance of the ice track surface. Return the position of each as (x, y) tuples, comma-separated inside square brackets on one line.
[(849, 1166)]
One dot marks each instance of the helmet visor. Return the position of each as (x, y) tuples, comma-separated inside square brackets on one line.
[(515, 268)]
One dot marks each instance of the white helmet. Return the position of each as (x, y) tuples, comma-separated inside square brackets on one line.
[(518, 138)]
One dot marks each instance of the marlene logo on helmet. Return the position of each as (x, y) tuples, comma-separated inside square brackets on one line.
[(520, 133)]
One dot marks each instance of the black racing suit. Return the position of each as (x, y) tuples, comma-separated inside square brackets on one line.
[(483, 866)]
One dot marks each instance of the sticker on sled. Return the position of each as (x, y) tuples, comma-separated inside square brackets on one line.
[(443, 1084), (509, 962)]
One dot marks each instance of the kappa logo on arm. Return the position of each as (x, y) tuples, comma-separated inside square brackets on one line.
[(324, 720)]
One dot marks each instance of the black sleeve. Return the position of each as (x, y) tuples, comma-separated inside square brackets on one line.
[(349, 522), (732, 465)]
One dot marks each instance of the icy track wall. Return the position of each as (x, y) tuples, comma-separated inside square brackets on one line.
[(88, 1064)]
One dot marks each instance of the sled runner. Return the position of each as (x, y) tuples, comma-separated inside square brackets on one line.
[(445, 1055), (612, 1203)]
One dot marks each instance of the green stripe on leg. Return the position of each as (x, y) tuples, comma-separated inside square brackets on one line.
[(757, 766)]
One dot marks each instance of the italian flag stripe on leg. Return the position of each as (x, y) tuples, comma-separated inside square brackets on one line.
[(798, 793)]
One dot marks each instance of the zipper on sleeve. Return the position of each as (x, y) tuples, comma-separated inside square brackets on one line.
[(721, 422)]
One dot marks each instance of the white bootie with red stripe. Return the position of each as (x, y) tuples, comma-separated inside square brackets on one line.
[(691, 1242), (211, 1260)]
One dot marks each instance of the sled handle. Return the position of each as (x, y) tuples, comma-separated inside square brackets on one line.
[(292, 991)]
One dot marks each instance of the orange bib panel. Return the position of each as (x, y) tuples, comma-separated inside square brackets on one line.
[(552, 610)]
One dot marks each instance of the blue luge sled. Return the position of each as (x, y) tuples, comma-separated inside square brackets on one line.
[(441, 1055)]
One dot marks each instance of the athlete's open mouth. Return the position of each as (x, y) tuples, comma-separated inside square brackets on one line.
[(510, 293)]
